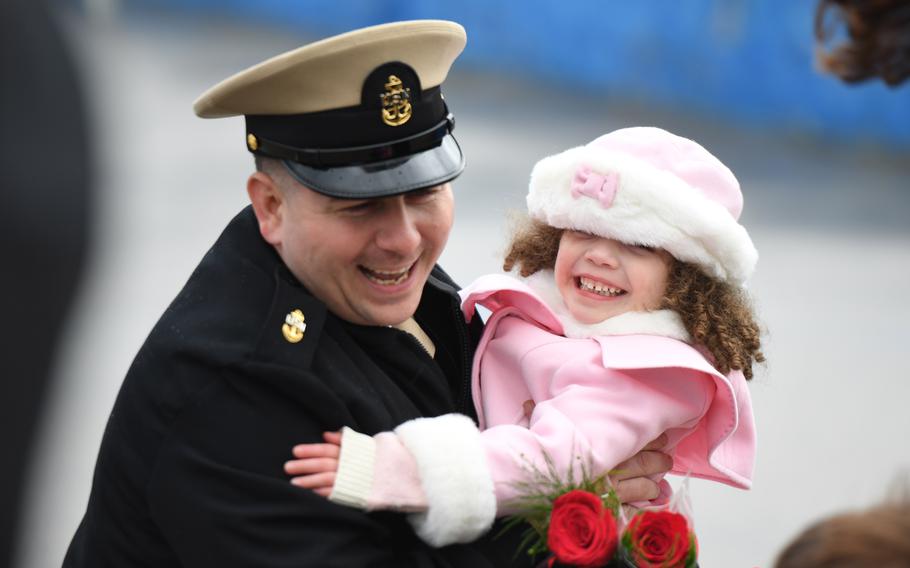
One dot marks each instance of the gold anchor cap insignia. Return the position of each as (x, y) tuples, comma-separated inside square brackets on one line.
[(252, 142), (293, 327), (396, 102)]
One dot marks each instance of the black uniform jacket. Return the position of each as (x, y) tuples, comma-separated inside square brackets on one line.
[(190, 471)]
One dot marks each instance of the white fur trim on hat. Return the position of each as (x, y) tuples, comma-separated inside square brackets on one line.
[(649, 187), (455, 476)]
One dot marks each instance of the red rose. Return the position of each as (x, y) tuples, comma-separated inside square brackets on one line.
[(582, 532), (658, 539)]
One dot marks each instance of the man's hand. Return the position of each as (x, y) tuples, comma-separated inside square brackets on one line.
[(634, 479), (316, 464)]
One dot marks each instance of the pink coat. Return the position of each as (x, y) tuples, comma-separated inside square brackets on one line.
[(601, 397), (601, 393)]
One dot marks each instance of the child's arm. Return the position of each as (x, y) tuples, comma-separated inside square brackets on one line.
[(316, 466), (354, 470), (432, 467), (460, 502), (392, 482)]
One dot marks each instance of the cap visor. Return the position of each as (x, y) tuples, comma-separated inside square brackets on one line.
[(381, 179)]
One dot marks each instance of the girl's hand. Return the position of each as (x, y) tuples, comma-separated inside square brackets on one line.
[(316, 464)]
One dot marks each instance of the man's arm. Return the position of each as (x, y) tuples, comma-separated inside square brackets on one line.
[(220, 497), (634, 478)]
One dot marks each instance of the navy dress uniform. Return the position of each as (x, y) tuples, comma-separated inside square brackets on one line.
[(246, 362)]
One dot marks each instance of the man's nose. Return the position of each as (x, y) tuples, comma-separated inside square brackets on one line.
[(398, 230)]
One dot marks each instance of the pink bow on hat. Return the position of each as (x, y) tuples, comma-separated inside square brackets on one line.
[(595, 185)]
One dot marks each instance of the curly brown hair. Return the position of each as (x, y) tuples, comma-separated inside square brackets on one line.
[(533, 248), (878, 42), (716, 314)]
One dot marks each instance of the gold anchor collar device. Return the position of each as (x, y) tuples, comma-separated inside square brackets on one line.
[(294, 326)]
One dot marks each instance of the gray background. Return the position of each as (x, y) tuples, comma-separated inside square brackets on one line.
[(830, 221)]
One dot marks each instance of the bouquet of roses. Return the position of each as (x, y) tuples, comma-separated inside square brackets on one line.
[(580, 523)]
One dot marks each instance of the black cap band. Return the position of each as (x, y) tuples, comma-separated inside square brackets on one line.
[(335, 157)]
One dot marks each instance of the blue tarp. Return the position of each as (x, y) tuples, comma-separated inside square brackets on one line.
[(743, 60)]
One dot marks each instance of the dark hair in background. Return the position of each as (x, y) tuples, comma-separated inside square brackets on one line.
[(878, 536), (878, 40), (716, 314)]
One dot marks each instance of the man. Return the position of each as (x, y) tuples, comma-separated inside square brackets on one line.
[(320, 306)]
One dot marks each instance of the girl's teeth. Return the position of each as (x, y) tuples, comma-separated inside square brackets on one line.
[(598, 288)]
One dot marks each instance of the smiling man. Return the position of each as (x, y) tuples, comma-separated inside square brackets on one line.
[(320, 306), (374, 274)]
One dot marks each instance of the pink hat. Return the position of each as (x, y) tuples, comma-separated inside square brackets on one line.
[(650, 187)]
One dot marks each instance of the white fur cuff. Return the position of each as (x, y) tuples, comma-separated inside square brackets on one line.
[(455, 478)]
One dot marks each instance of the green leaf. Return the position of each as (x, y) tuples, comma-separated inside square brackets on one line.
[(691, 558), (543, 487)]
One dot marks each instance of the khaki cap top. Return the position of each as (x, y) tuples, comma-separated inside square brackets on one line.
[(329, 73)]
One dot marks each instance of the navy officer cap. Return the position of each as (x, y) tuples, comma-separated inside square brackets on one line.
[(358, 115)]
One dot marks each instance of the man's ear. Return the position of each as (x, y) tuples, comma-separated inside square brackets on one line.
[(268, 205)]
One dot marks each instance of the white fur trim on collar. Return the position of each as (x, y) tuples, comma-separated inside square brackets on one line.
[(651, 207), (665, 323)]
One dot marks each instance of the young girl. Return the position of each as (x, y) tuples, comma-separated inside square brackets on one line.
[(630, 320)]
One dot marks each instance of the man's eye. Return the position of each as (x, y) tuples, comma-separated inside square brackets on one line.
[(422, 195), (357, 208)]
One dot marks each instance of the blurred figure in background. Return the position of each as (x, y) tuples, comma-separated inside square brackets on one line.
[(878, 43), (44, 204), (879, 537)]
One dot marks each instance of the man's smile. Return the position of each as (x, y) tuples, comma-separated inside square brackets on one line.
[(386, 277)]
